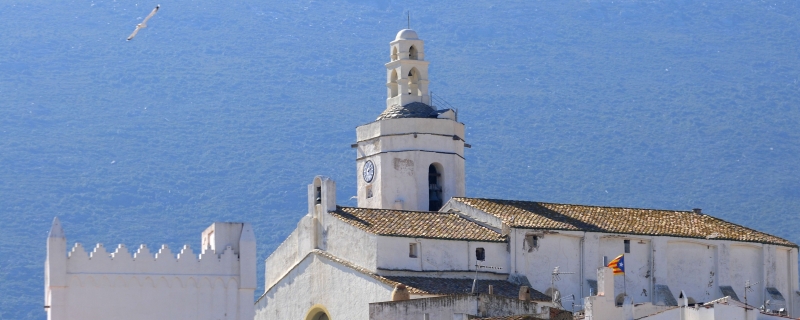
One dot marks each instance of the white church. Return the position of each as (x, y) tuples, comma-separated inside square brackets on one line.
[(416, 248)]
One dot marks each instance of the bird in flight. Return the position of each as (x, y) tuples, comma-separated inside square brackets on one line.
[(144, 22)]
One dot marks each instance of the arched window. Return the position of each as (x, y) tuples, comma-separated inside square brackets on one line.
[(413, 82), (434, 188), (321, 316), (317, 312), (412, 53), (394, 53), (393, 84)]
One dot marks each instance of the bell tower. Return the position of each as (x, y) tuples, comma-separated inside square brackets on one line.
[(407, 72), (412, 156)]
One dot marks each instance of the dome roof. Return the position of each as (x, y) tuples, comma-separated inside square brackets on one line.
[(411, 110), (406, 34)]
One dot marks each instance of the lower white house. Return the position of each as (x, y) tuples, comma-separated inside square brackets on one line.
[(602, 306)]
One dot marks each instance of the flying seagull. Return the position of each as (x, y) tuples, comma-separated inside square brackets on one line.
[(144, 22)]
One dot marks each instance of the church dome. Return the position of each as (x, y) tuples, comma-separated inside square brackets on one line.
[(411, 110), (407, 34)]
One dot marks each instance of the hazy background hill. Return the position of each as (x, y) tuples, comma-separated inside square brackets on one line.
[(225, 110)]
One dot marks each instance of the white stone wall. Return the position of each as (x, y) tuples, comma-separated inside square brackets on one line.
[(320, 230), (692, 268), (289, 253), (697, 266), (561, 250), (450, 307), (402, 150), (318, 281), (637, 279), (350, 243), (217, 284), (439, 255)]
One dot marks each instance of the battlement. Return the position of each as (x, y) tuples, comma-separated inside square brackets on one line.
[(142, 261), (182, 285)]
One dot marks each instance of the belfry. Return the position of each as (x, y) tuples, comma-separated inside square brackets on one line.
[(412, 156), (407, 72)]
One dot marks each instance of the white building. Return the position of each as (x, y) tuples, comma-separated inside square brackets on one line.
[(414, 235), (603, 306), (217, 284), (411, 159)]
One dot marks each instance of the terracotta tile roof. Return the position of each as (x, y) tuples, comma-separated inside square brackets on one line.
[(554, 216), (446, 286), (417, 224)]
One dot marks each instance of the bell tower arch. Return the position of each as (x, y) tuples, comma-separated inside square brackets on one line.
[(412, 156), (407, 60)]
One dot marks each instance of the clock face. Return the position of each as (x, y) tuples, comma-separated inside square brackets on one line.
[(369, 171)]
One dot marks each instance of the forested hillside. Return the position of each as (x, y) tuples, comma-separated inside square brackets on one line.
[(225, 110)]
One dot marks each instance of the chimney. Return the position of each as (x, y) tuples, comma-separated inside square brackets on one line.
[(400, 293), (524, 293)]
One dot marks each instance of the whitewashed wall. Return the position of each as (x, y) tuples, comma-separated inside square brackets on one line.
[(555, 250), (638, 276), (294, 247), (402, 150), (350, 243), (692, 268), (449, 307), (439, 255), (318, 281), (697, 266), (746, 263), (218, 284)]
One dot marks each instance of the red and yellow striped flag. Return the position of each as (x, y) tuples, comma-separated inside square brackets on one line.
[(618, 264)]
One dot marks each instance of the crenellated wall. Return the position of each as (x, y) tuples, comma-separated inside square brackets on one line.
[(216, 284)]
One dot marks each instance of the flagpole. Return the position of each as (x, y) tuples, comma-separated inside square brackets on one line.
[(624, 279)]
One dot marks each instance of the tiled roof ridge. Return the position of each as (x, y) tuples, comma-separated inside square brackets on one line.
[(400, 210), (485, 234), (766, 238), (583, 205)]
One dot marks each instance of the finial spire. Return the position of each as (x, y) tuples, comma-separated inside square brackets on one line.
[(55, 230), (409, 19)]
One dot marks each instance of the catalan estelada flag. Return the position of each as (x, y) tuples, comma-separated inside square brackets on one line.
[(618, 264)]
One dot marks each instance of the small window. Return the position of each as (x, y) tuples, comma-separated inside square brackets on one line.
[(627, 246), (412, 250), (318, 197), (531, 242), (480, 254)]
